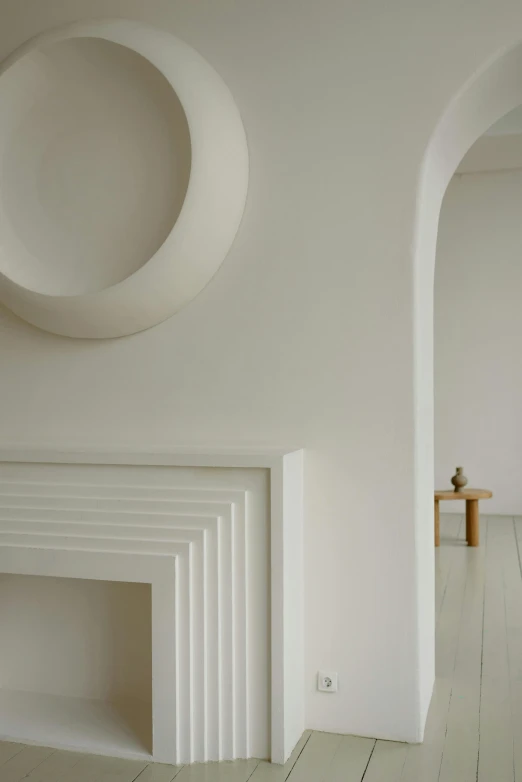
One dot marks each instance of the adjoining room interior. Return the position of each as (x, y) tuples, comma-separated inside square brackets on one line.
[(478, 321)]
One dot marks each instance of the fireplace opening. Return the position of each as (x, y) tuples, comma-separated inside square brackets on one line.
[(76, 664)]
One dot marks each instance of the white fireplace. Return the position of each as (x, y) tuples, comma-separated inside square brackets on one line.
[(151, 605)]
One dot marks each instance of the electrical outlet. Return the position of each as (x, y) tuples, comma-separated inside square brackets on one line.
[(327, 681)]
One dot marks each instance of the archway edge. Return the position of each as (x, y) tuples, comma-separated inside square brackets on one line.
[(490, 93)]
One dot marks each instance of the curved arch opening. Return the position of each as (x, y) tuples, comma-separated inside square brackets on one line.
[(488, 96)]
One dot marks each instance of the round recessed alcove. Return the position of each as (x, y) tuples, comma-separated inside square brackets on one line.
[(124, 178), (96, 165)]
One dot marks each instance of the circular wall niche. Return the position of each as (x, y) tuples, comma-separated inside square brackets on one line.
[(124, 178), (96, 166)]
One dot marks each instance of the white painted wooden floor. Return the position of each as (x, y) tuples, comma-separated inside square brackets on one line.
[(474, 729)]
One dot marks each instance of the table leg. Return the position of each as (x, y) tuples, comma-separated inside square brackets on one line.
[(437, 523), (472, 523)]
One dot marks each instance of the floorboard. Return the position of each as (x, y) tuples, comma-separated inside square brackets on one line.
[(461, 744), (266, 772), (159, 773), (8, 750), (55, 767), (316, 758), (350, 760), (496, 759), (387, 762), (513, 585), (451, 529), (19, 766), (238, 771)]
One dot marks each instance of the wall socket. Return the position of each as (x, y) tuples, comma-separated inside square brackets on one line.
[(327, 681)]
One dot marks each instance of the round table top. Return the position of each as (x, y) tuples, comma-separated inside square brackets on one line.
[(464, 494)]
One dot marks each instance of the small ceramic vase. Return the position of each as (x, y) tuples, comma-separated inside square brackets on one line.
[(459, 480)]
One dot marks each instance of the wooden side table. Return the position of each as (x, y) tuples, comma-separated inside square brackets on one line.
[(471, 497)]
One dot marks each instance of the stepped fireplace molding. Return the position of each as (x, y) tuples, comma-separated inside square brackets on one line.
[(197, 536)]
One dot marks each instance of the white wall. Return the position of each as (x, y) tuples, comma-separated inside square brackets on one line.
[(305, 335), (478, 337)]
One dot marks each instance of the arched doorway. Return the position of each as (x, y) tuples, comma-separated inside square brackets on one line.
[(494, 91)]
